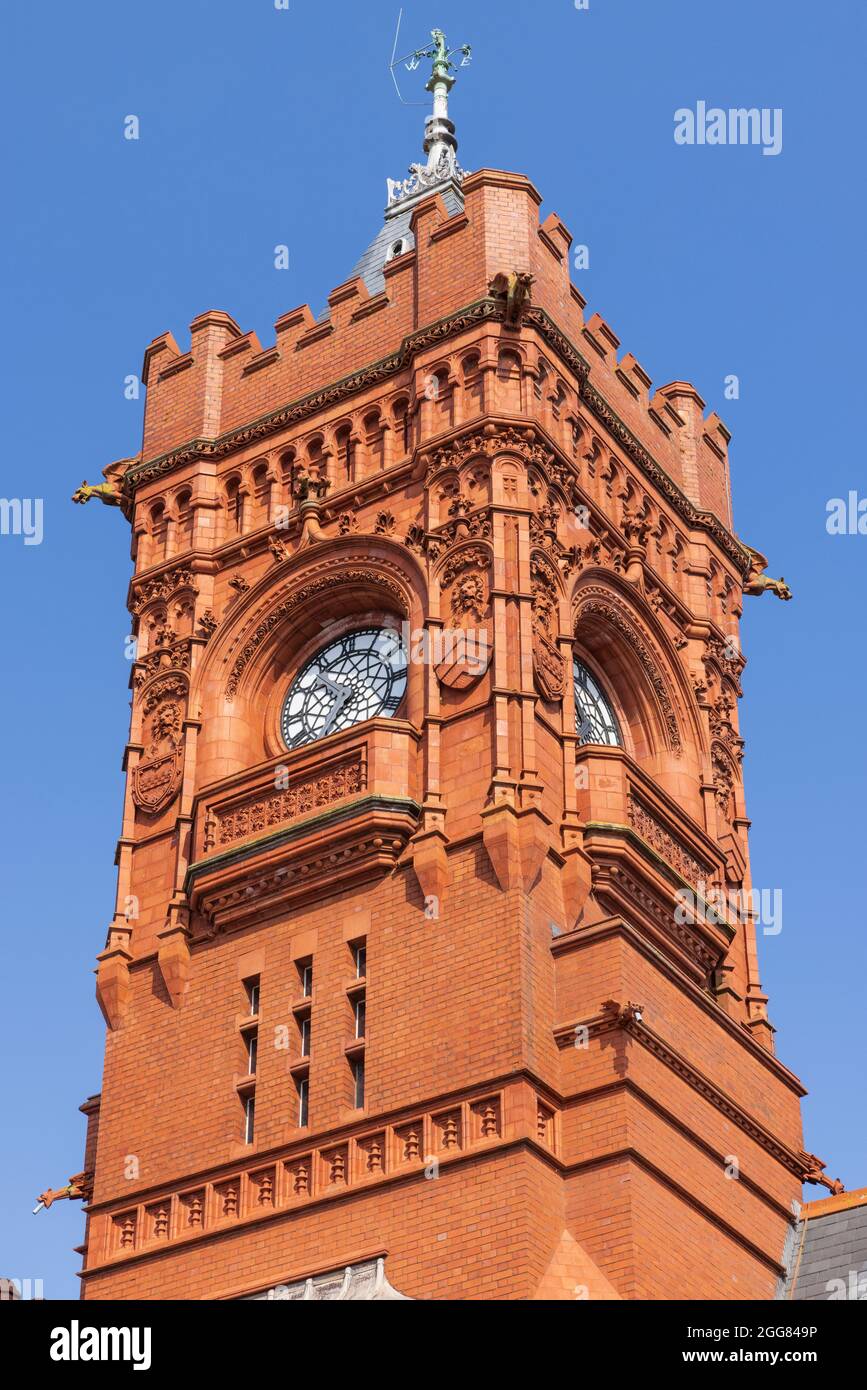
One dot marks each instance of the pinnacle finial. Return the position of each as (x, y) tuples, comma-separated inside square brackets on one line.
[(440, 143)]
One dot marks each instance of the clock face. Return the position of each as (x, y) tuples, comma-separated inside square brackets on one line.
[(596, 720), (356, 677)]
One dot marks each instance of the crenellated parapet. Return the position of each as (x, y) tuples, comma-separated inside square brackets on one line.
[(212, 399)]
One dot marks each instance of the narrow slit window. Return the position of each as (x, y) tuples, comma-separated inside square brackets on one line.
[(358, 1082), (303, 1087), (360, 950)]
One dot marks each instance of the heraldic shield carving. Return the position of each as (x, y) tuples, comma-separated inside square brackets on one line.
[(156, 778)]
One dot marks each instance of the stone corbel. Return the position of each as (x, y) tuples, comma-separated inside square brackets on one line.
[(534, 837), (758, 1022), (635, 558), (576, 876), (311, 531), (173, 955), (429, 857), (112, 975), (736, 864), (725, 993), (500, 833)]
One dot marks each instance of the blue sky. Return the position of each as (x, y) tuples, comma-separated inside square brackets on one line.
[(261, 126)]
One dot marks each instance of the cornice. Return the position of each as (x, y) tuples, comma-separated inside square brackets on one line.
[(581, 939), (251, 848), (798, 1162)]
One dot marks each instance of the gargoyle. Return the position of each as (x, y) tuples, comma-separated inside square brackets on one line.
[(110, 493), (80, 1186), (104, 491), (757, 581), (515, 289)]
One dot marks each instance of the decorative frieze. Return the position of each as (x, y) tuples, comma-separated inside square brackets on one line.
[(255, 814), (312, 1174), (668, 846)]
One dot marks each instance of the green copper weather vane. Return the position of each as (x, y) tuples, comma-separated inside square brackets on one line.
[(440, 54)]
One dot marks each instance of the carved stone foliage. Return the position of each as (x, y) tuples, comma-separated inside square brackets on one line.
[(720, 720), (207, 624), (437, 543), (723, 663), (724, 657), (306, 593), (161, 588), (156, 778), (173, 656), (724, 779), (602, 605), (256, 815), (547, 661), (490, 442)]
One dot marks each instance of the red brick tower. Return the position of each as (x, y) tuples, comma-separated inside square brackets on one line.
[(434, 734)]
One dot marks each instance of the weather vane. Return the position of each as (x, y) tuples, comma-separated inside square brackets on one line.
[(440, 144), (438, 51)]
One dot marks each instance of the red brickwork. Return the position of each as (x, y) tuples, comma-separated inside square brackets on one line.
[(569, 1091)]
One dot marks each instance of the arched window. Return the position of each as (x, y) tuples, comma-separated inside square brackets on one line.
[(345, 447), (595, 720), (401, 417), (158, 530), (235, 505), (184, 510)]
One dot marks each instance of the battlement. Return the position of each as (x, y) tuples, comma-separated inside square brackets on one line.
[(227, 379)]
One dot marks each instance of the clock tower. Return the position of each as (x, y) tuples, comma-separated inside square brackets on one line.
[(433, 967)]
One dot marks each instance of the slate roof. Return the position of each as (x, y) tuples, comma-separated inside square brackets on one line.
[(827, 1258), (396, 228)]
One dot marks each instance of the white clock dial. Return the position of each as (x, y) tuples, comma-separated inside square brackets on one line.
[(356, 677)]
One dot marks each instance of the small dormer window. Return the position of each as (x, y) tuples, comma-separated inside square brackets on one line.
[(397, 248)]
